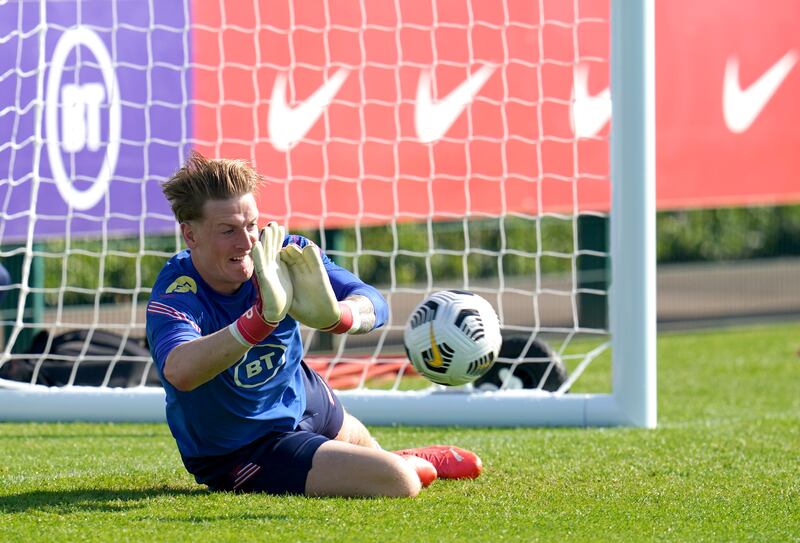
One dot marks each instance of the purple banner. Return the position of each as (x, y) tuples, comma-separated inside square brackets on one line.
[(114, 83)]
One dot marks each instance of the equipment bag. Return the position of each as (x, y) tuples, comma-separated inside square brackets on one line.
[(103, 348)]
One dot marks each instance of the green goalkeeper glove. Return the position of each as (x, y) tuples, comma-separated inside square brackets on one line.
[(314, 303), (273, 286)]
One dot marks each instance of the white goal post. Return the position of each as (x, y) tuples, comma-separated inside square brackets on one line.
[(423, 146)]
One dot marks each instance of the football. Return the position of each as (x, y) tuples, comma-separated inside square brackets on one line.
[(453, 337)]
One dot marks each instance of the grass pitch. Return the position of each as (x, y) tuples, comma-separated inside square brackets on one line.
[(723, 465)]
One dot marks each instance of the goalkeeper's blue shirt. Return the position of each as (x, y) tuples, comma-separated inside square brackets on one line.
[(260, 393)]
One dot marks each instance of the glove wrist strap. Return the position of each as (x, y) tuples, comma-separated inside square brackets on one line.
[(349, 322), (251, 328)]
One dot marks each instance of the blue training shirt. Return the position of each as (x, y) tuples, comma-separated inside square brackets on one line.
[(261, 392)]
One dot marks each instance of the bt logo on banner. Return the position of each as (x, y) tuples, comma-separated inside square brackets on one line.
[(81, 105), (80, 116), (95, 115)]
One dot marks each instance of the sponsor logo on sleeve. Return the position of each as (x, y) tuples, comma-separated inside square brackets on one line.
[(183, 284)]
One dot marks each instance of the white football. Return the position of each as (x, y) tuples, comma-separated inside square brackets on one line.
[(453, 337)]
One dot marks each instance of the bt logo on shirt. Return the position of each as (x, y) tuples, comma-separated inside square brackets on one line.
[(259, 366)]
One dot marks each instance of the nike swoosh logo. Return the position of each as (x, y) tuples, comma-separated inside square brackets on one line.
[(457, 456), (589, 113), (741, 107), (288, 125), (433, 120), (437, 356)]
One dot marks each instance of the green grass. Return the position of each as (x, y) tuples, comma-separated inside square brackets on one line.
[(723, 465)]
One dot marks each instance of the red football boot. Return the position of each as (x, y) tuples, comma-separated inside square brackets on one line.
[(425, 470), (450, 462)]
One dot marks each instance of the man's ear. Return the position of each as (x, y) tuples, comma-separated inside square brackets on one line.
[(189, 231)]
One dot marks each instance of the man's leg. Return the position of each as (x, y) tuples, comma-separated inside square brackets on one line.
[(354, 432), (344, 469), (351, 464), (302, 462)]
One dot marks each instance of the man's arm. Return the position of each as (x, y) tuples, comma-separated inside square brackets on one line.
[(196, 362), (317, 292), (366, 313)]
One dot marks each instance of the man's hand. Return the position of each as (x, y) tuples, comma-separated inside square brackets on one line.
[(270, 274), (314, 303), (273, 285)]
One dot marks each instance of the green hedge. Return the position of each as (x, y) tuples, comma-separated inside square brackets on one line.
[(417, 251), (728, 234)]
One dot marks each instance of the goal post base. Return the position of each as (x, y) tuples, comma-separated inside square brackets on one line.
[(82, 404), (378, 408), (508, 408)]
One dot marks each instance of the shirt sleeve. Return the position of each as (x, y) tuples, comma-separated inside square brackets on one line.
[(345, 283), (169, 323)]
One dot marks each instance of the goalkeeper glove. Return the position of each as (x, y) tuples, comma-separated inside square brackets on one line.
[(273, 289), (314, 303)]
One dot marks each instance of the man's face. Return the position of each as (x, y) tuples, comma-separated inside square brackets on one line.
[(221, 241)]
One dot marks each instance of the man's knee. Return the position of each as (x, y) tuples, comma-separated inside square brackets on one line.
[(353, 431), (340, 469), (404, 482)]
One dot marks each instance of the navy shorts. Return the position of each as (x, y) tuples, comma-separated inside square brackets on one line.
[(279, 462)]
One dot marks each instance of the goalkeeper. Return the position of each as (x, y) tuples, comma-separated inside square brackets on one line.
[(222, 324)]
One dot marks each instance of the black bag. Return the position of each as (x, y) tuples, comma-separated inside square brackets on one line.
[(549, 367), (103, 347)]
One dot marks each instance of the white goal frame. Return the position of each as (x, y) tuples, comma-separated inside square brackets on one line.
[(632, 296)]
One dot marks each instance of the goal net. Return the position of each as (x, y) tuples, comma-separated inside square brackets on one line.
[(424, 144)]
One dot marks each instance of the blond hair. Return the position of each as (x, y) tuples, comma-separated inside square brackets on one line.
[(201, 179)]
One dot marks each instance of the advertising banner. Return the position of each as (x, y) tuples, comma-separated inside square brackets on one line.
[(109, 84), (369, 112)]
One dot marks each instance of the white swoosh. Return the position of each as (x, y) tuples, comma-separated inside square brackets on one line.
[(589, 113), (286, 125), (433, 120), (740, 107)]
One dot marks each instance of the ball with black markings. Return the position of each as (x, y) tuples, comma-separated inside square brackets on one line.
[(453, 337)]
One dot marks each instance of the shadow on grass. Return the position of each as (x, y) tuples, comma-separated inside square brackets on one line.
[(84, 435), (87, 500), (90, 500)]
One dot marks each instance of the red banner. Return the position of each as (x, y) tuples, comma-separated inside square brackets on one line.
[(728, 119), (377, 111)]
